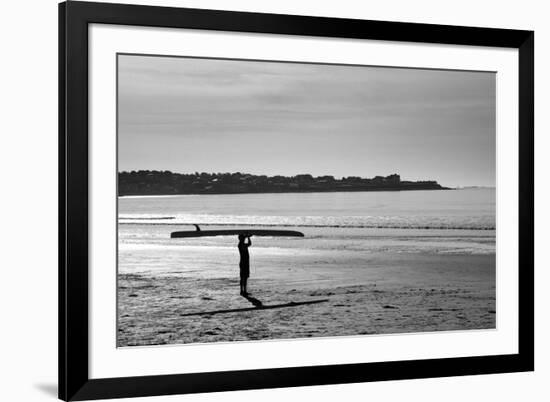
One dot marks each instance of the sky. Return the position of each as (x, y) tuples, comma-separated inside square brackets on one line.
[(218, 115)]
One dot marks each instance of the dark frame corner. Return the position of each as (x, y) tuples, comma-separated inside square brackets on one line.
[(74, 382)]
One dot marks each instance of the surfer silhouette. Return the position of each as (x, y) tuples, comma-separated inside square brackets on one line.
[(244, 264)]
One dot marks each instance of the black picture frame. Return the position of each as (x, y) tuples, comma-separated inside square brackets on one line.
[(74, 381)]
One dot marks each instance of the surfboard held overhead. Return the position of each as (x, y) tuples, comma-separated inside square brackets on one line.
[(236, 232)]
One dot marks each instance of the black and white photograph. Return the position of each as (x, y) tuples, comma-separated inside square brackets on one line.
[(263, 200)]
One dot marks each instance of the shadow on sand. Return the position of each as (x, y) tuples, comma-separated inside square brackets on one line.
[(255, 302), (258, 305)]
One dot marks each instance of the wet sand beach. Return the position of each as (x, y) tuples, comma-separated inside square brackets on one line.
[(390, 294)]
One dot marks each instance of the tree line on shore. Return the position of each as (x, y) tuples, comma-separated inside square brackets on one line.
[(154, 182)]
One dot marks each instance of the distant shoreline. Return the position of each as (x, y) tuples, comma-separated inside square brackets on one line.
[(166, 183)]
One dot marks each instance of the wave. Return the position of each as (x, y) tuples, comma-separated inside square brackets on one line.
[(350, 226), (147, 218)]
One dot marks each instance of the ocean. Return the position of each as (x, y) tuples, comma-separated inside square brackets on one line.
[(443, 221)]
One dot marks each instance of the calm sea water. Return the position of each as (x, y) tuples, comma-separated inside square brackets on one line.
[(340, 228), (452, 209)]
